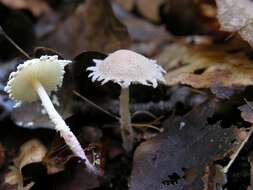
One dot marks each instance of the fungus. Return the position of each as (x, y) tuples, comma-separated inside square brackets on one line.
[(36, 78), (125, 67)]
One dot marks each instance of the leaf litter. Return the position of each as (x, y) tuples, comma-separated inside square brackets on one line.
[(172, 153), (187, 146)]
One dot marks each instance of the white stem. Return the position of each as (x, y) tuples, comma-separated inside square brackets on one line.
[(127, 132), (236, 153), (60, 125)]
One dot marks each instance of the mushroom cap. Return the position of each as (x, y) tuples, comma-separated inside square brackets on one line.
[(125, 67), (48, 70)]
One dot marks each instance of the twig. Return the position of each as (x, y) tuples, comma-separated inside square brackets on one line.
[(96, 106), (137, 125), (234, 156), (141, 125), (13, 43), (143, 112)]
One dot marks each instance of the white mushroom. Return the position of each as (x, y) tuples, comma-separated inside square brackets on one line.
[(125, 67), (36, 78)]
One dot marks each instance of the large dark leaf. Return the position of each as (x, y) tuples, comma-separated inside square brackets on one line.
[(177, 158)]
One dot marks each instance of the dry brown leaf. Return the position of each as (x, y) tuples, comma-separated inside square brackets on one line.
[(143, 31), (92, 26), (151, 9), (147, 38), (214, 177), (204, 67), (236, 16), (102, 26), (37, 7), (31, 152), (247, 112), (126, 4)]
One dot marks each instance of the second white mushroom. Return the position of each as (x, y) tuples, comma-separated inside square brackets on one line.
[(125, 67)]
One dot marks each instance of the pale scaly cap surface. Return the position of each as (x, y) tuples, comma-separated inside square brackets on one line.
[(125, 67), (48, 70)]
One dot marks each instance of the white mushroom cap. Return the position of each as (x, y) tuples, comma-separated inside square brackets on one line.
[(48, 70), (125, 67)]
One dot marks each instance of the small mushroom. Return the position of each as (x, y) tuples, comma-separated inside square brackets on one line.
[(36, 78), (125, 67)]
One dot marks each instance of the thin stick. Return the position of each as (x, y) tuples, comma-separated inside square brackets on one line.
[(142, 125), (143, 112), (234, 156), (13, 43), (96, 106)]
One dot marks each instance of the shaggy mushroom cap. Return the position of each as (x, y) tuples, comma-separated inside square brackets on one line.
[(47, 70), (125, 67)]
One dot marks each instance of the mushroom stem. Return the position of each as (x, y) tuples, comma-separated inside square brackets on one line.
[(61, 126), (127, 132)]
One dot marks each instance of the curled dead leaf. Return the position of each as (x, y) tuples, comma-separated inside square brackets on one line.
[(151, 9), (147, 38), (31, 152), (37, 7), (247, 111), (214, 177), (204, 67), (92, 26), (236, 16), (126, 4)]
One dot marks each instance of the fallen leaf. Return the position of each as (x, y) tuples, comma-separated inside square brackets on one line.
[(204, 67), (38, 119), (150, 10), (93, 26), (177, 158), (247, 111), (147, 38), (31, 152), (236, 16), (126, 4), (37, 7), (141, 30), (214, 177)]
